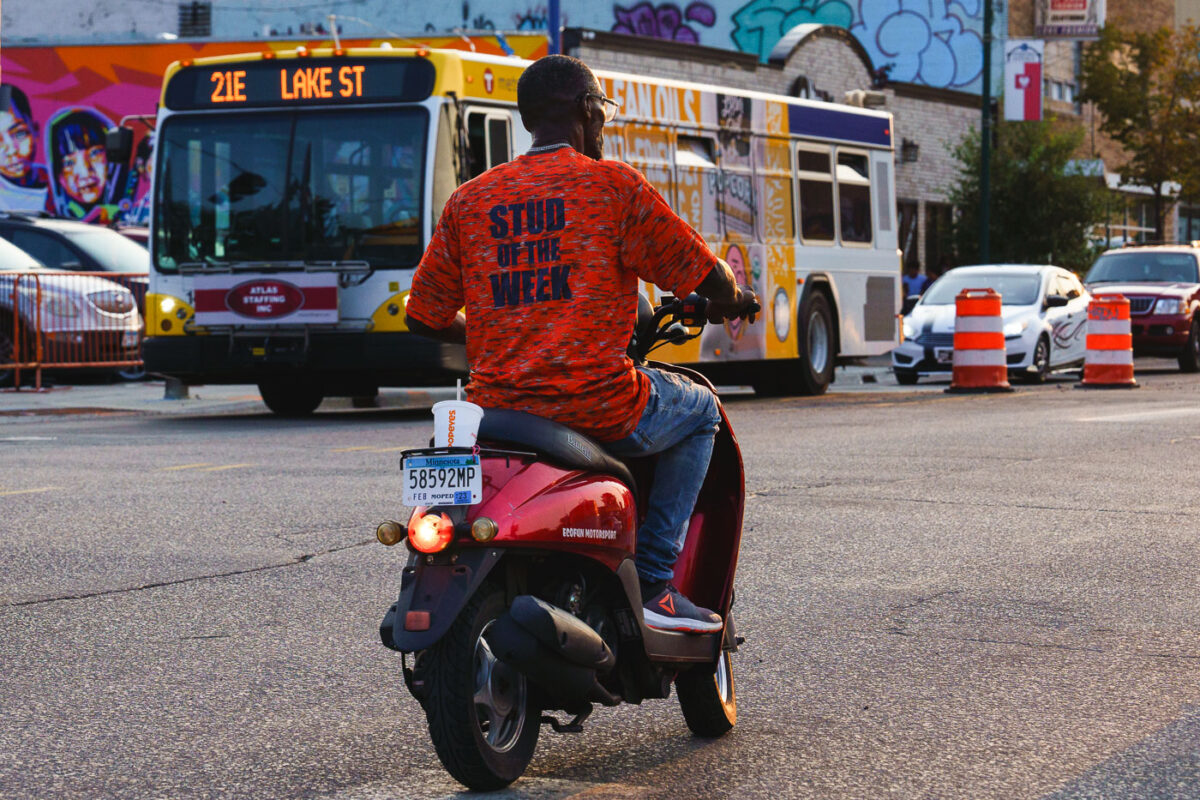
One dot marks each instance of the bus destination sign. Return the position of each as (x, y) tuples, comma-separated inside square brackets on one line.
[(300, 81)]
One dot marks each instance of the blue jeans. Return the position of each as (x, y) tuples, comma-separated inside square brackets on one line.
[(679, 424)]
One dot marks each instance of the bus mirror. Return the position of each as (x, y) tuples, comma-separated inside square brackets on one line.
[(118, 144)]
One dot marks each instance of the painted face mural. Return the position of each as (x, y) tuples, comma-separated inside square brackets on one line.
[(83, 173), (85, 185), (736, 260), (18, 146), (57, 102)]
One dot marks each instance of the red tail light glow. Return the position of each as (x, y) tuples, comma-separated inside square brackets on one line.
[(430, 533)]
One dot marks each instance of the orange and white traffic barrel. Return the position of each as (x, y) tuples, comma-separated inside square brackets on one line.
[(980, 356), (1108, 362)]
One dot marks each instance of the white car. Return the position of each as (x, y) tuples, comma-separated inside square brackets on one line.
[(1045, 321), (82, 318)]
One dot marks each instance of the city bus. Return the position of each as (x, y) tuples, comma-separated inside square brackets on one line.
[(293, 195)]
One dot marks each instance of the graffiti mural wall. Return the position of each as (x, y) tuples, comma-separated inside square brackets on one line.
[(57, 102), (932, 42)]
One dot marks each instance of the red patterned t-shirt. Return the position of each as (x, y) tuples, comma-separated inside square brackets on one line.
[(545, 253)]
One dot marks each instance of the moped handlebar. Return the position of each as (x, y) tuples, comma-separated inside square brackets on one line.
[(672, 321)]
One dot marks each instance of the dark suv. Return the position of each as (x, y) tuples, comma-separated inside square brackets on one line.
[(1162, 283)]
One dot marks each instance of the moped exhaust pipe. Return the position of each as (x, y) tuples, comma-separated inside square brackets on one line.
[(558, 652)]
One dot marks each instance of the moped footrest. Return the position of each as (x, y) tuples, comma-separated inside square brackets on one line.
[(574, 726)]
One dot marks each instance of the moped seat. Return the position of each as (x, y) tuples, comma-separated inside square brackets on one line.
[(558, 443)]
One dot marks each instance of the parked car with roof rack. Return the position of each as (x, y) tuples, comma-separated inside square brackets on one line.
[(1044, 309), (1162, 283), (81, 317)]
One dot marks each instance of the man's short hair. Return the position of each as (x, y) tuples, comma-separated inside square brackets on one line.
[(549, 87)]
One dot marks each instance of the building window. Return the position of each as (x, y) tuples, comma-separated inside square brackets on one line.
[(906, 210), (195, 19), (1189, 224), (938, 218), (1130, 220)]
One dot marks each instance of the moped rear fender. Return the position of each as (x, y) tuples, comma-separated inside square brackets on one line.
[(438, 589)]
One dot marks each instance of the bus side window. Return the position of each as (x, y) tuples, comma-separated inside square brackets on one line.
[(738, 210), (816, 193), (489, 140), (696, 179), (854, 196)]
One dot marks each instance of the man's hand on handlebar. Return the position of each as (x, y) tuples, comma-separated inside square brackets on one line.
[(744, 305)]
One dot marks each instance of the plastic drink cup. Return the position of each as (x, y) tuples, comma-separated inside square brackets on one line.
[(455, 423)]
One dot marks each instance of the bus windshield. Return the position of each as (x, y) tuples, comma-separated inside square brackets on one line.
[(292, 186)]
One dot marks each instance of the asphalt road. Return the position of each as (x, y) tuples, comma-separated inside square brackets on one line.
[(943, 596)]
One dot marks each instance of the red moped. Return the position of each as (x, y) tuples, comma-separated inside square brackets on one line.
[(523, 598)]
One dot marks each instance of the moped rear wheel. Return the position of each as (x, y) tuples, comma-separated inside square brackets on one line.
[(708, 697), (482, 720)]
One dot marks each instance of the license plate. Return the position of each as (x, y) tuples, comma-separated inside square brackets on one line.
[(943, 355), (449, 480), (129, 339)]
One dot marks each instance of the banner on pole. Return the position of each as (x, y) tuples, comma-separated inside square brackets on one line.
[(1069, 19), (1023, 79)]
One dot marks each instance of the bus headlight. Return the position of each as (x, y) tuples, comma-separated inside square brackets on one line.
[(782, 315), (167, 305)]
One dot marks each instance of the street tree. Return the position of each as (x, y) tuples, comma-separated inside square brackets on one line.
[(1146, 87), (1042, 209)]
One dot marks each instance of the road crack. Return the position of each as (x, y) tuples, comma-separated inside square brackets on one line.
[(1034, 507), (292, 562)]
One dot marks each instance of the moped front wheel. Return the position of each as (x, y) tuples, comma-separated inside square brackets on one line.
[(482, 720), (708, 697)]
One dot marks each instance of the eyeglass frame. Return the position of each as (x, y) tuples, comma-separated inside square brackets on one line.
[(610, 106)]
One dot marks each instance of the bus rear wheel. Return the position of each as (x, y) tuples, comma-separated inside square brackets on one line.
[(290, 397), (812, 372), (817, 353)]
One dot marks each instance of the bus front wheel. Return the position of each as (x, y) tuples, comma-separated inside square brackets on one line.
[(290, 397), (817, 352)]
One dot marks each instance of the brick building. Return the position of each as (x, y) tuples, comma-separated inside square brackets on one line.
[(1130, 207)]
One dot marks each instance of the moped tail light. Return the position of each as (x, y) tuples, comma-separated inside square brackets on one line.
[(430, 533)]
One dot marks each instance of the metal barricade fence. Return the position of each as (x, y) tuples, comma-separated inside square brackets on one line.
[(69, 320)]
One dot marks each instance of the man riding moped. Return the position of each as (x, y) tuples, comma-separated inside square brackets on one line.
[(545, 253)]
